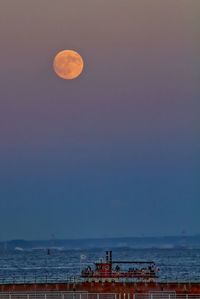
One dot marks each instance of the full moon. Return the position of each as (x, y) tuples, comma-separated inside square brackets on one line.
[(68, 64)]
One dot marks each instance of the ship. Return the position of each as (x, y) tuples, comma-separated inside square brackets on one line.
[(109, 270)]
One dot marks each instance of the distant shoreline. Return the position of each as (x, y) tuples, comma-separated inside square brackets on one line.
[(168, 242)]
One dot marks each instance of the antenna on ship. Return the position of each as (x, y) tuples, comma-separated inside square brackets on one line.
[(109, 256)]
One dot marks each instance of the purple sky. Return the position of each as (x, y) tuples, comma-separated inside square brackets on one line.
[(116, 151)]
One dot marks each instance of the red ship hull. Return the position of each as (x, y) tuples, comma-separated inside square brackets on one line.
[(107, 287)]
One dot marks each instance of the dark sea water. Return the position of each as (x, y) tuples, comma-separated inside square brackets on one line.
[(60, 265)]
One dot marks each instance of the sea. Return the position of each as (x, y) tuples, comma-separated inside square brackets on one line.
[(54, 265)]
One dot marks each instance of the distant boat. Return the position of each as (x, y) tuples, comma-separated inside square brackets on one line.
[(104, 270)]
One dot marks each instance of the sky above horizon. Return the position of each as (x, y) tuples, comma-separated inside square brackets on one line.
[(116, 151)]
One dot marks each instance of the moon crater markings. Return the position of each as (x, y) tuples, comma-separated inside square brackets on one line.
[(68, 64)]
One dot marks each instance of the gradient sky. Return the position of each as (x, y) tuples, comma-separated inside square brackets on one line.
[(116, 151)]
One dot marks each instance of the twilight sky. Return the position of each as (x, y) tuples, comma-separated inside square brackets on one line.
[(116, 151)]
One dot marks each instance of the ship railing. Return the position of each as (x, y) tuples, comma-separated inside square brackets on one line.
[(162, 295), (56, 295), (86, 295), (133, 273)]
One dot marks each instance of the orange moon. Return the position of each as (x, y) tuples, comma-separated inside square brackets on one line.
[(68, 64)]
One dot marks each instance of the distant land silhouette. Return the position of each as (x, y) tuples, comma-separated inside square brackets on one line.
[(167, 242)]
